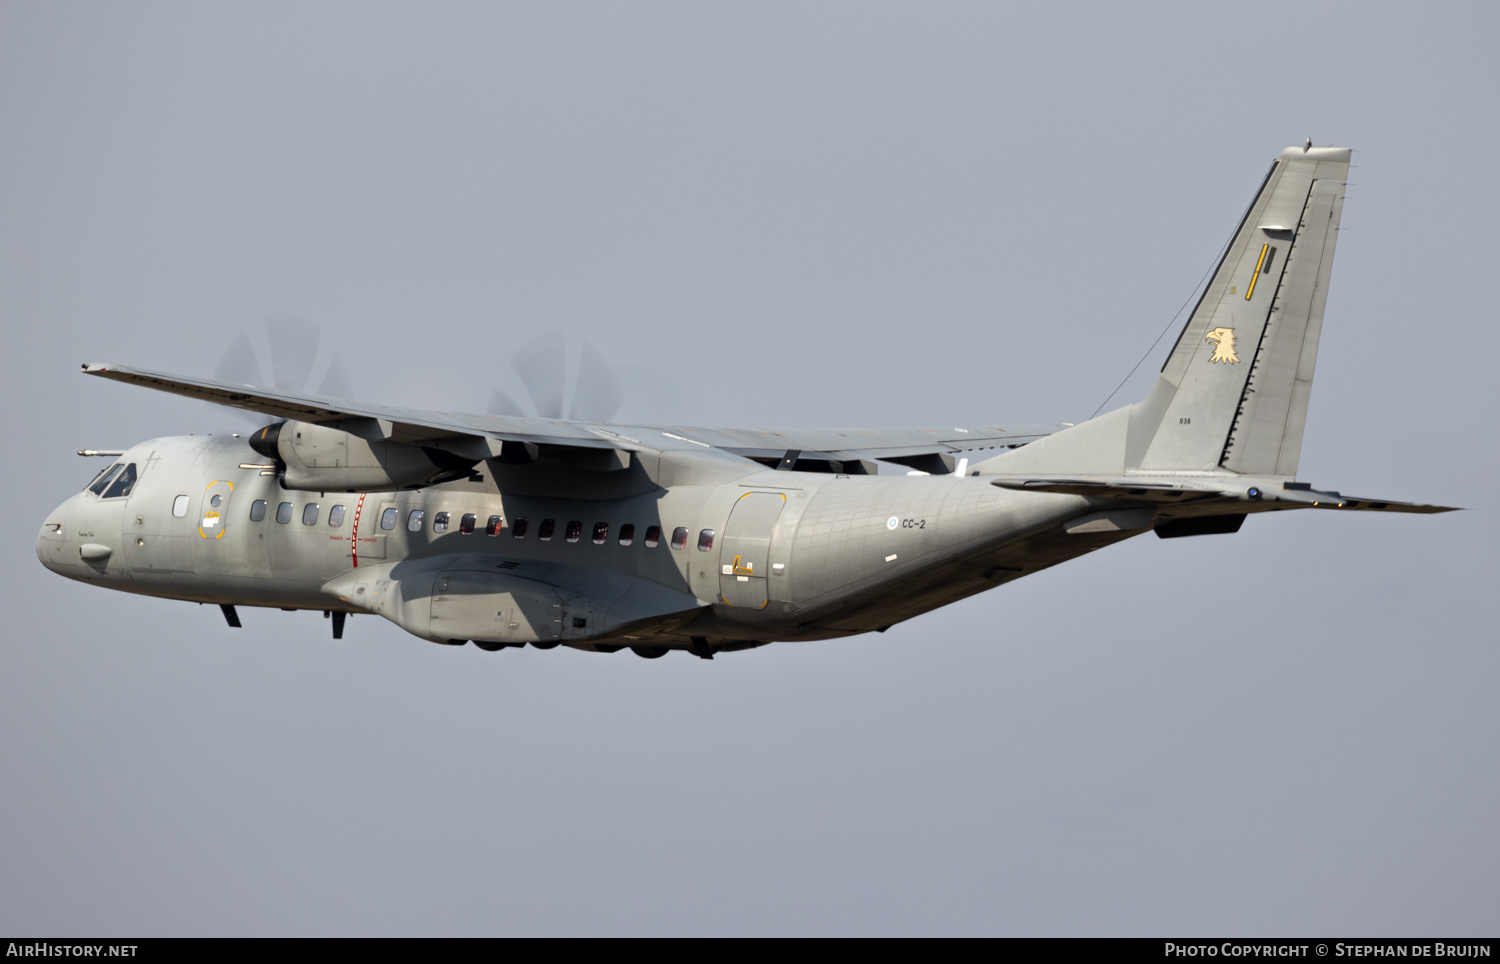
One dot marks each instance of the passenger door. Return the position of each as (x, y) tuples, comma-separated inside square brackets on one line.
[(211, 537)]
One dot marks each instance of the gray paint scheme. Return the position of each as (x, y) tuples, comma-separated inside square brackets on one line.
[(794, 555)]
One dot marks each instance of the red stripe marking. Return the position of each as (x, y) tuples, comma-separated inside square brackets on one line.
[(354, 533)]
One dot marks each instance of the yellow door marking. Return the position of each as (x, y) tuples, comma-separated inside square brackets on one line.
[(212, 519)]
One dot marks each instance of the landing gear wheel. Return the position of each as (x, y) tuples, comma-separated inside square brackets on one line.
[(649, 652), (547, 643), (489, 647)]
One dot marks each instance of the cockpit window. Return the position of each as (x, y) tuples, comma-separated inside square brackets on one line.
[(123, 483), (104, 478), (100, 480)]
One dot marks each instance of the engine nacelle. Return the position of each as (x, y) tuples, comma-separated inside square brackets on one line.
[(325, 458)]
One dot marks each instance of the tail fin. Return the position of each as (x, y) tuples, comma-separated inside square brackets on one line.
[(1232, 396)]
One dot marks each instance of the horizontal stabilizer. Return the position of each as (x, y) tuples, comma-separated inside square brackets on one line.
[(1165, 491), (1312, 498)]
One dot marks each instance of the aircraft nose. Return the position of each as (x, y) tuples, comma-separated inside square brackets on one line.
[(53, 541)]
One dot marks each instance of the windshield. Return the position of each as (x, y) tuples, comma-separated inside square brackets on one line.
[(102, 472), (104, 478), (123, 483)]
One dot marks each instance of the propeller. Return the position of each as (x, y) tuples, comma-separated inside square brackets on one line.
[(290, 361), (291, 345), (542, 366)]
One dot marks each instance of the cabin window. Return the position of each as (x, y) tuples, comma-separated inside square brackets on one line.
[(388, 518), (123, 483), (601, 533), (104, 478), (545, 532), (258, 510), (574, 531), (653, 536), (705, 540), (310, 514), (627, 534), (492, 527), (335, 517), (216, 501), (518, 528), (679, 537), (284, 513), (466, 524), (414, 521), (440, 522), (179, 506)]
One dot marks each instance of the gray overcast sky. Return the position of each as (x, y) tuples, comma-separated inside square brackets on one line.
[(767, 215)]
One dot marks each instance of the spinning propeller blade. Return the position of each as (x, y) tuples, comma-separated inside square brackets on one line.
[(293, 349), (542, 365)]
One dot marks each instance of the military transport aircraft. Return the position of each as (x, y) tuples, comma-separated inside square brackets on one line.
[(510, 531)]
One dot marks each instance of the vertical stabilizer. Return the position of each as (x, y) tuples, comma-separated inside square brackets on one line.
[(1242, 370), (1232, 396)]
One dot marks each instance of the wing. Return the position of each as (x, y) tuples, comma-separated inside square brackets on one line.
[(393, 422), (920, 448)]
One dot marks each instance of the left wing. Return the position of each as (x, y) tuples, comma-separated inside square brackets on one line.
[(926, 449), (390, 421)]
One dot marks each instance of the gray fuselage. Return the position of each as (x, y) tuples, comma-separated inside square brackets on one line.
[(758, 555)]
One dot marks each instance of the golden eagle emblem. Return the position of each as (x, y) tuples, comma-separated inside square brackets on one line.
[(1223, 339)]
